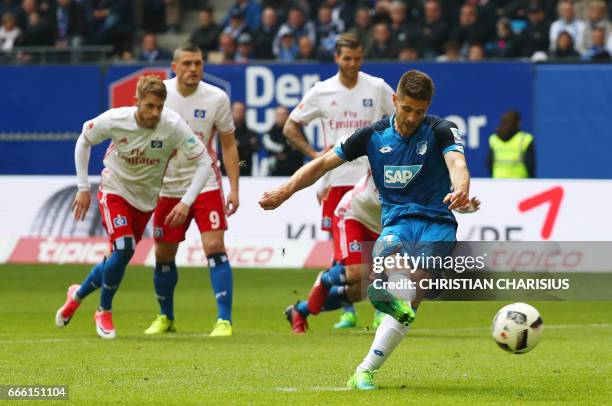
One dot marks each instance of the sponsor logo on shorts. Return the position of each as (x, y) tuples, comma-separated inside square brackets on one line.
[(326, 222), (158, 232), (355, 246), (120, 221), (421, 148), (199, 114), (398, 177), (157, 144), (368, 102)]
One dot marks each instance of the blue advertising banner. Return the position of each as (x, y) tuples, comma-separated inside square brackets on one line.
[(60, 99), (573, 104)]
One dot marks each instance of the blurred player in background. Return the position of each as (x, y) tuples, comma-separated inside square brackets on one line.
[(358, 218), (420, 171), (143, 139), (343, 103), (206, 109)]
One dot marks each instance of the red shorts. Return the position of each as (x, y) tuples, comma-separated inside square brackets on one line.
[(348, 241), (208, 210), (330, 203), (121, 218)]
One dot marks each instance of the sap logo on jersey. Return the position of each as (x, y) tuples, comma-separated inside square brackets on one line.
[(397, 177)]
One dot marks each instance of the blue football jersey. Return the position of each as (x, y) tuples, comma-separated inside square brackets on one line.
[(409, 172)]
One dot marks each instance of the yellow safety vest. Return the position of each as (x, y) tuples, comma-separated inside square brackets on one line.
[(508, 155)]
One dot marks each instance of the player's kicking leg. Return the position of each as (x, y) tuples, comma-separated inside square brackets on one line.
[(400, 305)]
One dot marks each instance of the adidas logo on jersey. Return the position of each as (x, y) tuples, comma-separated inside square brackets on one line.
[(397, 177)]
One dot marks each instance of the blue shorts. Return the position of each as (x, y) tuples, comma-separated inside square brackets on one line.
[(416, 236)]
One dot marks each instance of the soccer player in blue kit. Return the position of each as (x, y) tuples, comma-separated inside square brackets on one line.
[(419, 168)]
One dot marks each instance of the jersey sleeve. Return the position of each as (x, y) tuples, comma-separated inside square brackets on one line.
[(448, 137), (386, 99), (97, 130), (224, 122), (308, 109), (356, 145), (188, 143)]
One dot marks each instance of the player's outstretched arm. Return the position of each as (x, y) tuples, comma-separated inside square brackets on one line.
[(304, 177), (179, 213), (230, 162), (82, 200), (293, 132), (460, 180)]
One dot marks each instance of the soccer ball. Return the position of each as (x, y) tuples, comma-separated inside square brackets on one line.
[(517, 328)]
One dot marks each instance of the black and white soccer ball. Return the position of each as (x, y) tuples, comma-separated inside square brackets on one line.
[(517, 328)]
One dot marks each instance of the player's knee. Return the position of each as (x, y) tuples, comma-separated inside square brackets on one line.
[(355, 293), (214, 246), (124, 248), (354, 274), (165, 253)]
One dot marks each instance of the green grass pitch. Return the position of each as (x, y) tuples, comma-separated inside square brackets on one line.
[(448, 356)]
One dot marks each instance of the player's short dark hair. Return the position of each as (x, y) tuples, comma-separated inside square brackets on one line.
[(185, 48), (349, 41), (417, 85), (150, 84)]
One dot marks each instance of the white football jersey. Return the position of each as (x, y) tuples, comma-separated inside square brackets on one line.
[(136, 159), (207, 111), (362, 203), (342, 111)]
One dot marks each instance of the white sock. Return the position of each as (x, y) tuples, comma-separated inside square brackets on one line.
[(389, 334), (402, 290)]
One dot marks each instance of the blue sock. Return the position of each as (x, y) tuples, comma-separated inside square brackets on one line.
[(114, 268), (302, 307), (165, 279), (349, 309), (222, 284), (92, 282), (334, 276), (335, 299)]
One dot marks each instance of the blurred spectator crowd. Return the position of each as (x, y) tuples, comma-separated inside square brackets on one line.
[(300, 30)]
